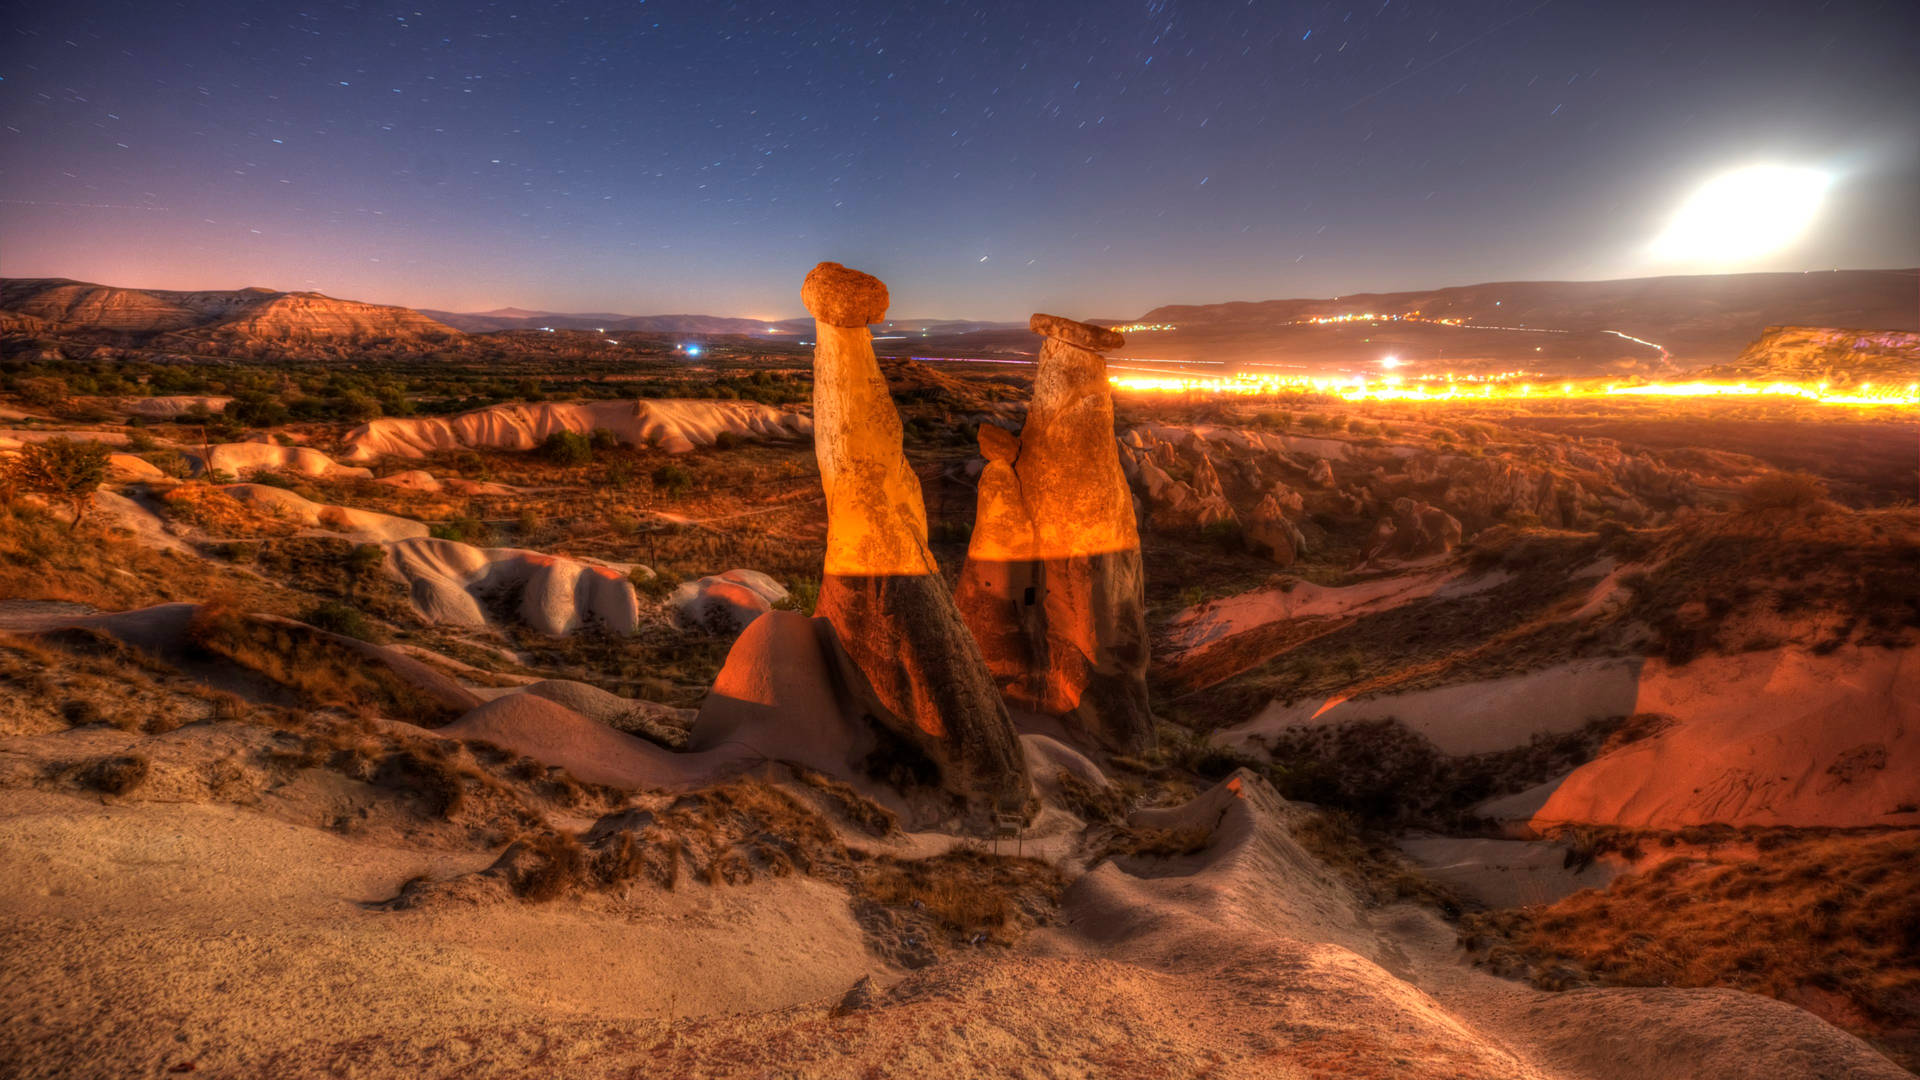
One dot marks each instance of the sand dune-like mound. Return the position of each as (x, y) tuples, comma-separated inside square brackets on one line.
[(549, 732), (1781, 737), (128, 467), (776, 698), (451, 583), (1257, 921), (247, 458), (360, 524), (168, 406), (670, 425), (1475, 717)]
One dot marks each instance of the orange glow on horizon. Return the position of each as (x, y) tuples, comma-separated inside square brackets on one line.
[(1451, 388)]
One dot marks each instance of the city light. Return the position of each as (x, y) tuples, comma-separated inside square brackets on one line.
[(1510, 386)]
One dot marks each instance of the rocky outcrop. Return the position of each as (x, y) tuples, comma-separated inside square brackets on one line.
[(903, 649), (1828, 354), (724, 604), (1171, 504), (1053, 588), (1415, 530), (262, 315), (455, 584), (671, 425), (246, 458), (1268, 531)]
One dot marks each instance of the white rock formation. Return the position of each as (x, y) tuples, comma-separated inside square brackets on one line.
[(672, 425), (725, 603), (449, 581)]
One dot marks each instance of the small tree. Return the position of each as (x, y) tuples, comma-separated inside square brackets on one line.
[(568, 449), (59, 469)]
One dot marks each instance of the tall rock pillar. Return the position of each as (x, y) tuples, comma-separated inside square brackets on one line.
[(906, 651), (1053, 589)]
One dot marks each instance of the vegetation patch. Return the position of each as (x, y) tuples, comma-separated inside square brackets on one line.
[(1827, 920)]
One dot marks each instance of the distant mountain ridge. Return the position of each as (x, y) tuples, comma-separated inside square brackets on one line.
[(1705, 317), (512, 318), (62, 305)]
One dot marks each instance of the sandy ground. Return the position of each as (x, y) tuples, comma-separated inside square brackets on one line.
[(142, 937), (1471, 718)]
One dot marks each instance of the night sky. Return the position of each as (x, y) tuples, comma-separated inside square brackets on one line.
[(1095, 158)]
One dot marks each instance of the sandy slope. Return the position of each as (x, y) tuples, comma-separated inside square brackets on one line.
[(143, 936)]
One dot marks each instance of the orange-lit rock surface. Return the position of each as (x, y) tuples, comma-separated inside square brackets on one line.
[(1053, 589), (906, 652)]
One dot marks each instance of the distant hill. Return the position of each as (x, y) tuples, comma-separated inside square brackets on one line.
[(1677, 321), (1805, 353), (140, 316), (511, 318)]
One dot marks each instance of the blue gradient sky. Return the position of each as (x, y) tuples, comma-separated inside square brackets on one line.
[(987, 160)]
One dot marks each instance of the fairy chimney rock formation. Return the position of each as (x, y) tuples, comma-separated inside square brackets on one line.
[(906, 654), (1053, 589)]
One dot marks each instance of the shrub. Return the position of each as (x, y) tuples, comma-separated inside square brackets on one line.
[(337, 618), (568, 449), (116, 775), (672, 479), (1782, 491), (59, 469), (602, 439)]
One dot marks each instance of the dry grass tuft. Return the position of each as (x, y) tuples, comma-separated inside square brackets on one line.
[(318, 668), (1157, 843), (971, 896), (116, 775), (1829, 921), (870, 816)]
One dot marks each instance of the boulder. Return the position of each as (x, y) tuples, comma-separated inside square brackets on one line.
[(724, 604), (902, 648), (1269, 531), (1414, 530), (1320, 475), (1053, 588), (449, 582)]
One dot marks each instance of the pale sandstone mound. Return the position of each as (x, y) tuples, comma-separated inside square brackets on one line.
[(451, 583), (776, 697), (364, 525), (1053, 588), (671, 425), (724, 604), (553, 734), (128, 467), (906, 651), (245, 458), (1781, 737), (169, 406)]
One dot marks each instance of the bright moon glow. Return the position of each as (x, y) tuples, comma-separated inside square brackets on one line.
[(1743, 214)]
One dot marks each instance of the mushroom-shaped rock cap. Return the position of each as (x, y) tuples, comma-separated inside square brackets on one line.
[(838, 296), (1085, 335), (998, 444)]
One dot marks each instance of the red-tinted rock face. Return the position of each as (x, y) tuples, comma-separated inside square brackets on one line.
[(1053, 589), (1413, 531), (905, 652)]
